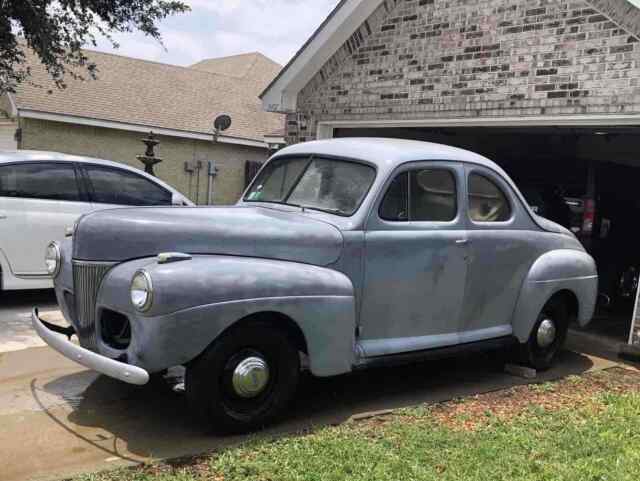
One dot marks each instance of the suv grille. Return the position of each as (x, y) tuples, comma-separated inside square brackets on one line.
[(87, 277)]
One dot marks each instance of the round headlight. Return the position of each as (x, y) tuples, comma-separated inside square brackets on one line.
[(141, 291), (52, 259)]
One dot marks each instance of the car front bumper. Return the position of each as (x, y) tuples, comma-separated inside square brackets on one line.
[(102, 364)]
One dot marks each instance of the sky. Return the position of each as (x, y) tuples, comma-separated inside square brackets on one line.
[(217, 28)]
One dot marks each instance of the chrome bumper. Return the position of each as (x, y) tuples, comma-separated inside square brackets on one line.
[(109, 367)]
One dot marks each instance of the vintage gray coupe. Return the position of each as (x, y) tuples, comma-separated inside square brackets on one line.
[(342, 255)]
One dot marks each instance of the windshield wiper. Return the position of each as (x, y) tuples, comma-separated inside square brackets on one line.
[(322, 209)]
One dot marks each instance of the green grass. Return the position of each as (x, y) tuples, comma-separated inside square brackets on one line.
[(596, 440)]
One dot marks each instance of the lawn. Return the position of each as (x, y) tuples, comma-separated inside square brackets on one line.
[(581, 428)]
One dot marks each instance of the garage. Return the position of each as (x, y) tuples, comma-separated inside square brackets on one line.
[(549, 89)]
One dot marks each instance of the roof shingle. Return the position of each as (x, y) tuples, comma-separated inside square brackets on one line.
[(152, 94), (249, 66)]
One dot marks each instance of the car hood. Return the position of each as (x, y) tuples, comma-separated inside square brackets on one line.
[(121, 234)]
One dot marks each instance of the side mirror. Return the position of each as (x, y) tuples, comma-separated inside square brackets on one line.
[(177, 199)]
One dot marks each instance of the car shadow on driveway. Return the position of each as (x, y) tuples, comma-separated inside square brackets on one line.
[(154, 422)]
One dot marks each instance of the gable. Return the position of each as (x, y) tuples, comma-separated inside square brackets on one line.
[(486, 57), (353, 21), (251, 66)]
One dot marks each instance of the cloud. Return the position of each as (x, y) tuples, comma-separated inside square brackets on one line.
[(215, 28)]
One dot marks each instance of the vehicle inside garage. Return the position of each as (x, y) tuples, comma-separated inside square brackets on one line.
[(585, 178)]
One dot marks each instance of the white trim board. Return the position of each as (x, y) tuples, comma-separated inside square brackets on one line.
[(109, 124), (325, 129)]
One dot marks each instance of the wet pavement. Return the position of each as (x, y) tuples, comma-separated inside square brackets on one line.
[(15, 318), (58, 419)]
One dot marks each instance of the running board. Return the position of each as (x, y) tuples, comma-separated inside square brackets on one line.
[(436, 353)]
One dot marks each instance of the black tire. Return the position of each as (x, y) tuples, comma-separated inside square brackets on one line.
[(537, 356), (209, 379)]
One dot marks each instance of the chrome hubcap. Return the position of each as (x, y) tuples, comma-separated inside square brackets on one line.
[(546, 333), (250, 377)]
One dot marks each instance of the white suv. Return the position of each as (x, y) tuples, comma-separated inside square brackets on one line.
[(43, 193)]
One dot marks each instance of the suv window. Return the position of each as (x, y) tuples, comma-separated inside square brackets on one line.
[(487, 202), (40, 180), (421, 195), (114, 186)]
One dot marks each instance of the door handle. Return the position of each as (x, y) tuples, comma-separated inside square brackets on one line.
[(462, 242), (2, 216)]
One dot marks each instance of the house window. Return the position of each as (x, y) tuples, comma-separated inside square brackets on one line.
[(251, 169)]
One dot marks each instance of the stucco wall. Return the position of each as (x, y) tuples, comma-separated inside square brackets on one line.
[(7, 135), (416, 59), (123, 146)]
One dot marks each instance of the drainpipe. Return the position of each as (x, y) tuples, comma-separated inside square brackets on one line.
[(212, 171)]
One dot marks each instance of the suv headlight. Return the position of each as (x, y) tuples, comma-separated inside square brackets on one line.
[(141, 291), (53, 259)]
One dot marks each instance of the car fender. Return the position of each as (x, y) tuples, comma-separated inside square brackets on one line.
[(555, 271), (197, 300)]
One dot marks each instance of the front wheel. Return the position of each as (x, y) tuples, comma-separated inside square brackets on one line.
[(244, 379), (547, 337)]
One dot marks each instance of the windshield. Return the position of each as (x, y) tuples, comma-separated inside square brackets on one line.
[(333, 186)]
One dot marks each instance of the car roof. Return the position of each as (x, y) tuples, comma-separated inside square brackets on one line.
[(387, 153), (7, 156)]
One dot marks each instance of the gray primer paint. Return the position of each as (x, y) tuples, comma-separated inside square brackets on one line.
[(406, 286)]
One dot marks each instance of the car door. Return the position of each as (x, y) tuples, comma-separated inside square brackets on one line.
[(112, 187), (415, 266), (500, 254), (38, 201)]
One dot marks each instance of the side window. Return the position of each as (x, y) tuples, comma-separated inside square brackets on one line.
[(421, 195), (40, 180), (114, 186), (432, 195), (487, 202)]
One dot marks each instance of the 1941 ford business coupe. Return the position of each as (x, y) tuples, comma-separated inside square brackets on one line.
[(344, 253)]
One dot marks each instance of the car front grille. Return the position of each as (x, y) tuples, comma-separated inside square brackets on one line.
[(87, 277)]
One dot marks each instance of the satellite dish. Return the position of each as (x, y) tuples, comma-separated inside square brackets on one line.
[(222, 123)]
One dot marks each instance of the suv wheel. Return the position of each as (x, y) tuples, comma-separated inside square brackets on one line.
[(547, 337), (244, 379)]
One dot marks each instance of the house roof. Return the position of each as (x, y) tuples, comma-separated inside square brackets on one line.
[(248, 66), (349, 16), (153, 95)]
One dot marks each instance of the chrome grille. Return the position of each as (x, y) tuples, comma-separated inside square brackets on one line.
[(87, 277)]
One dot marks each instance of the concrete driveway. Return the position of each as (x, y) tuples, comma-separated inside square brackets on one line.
[(15, 318), (58, 419)]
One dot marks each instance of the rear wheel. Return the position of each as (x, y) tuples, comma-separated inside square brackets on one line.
[(547, 337), (244, 379)]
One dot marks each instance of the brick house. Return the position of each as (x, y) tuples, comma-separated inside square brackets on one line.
[(549, 89), (106, 118)]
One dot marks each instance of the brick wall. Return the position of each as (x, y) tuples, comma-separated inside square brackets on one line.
[(474, 58), (123, 146)]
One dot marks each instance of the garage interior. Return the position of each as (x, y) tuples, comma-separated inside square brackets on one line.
[(586, 178)]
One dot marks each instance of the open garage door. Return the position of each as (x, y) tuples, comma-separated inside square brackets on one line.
[(586, 178)]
